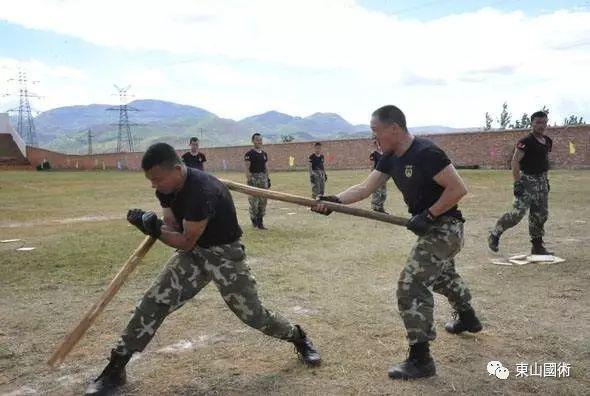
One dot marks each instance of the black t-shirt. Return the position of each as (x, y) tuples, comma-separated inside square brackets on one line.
[(375, 156), (202, 197), (317, 161), (536, 154), (194, 161), (257, 161), (413, 174)]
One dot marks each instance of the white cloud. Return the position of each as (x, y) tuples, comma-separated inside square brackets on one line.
[(444, 71), (43, 81)]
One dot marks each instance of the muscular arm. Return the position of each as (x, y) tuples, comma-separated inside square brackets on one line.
[(515, 163), (454, 190), (363, 190), (169, 220), (187, 239), (248, 174)]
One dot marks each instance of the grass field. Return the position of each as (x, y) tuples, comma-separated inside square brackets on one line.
[(333, 275)]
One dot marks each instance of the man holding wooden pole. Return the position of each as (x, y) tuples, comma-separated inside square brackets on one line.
[(431, 188), (200, 222)]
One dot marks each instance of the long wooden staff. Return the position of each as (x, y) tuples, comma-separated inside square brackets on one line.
[(75, 335), (280, 196)]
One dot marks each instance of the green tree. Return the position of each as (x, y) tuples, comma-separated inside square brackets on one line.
[(573, 120), (287, 138), (523, 123), (505, 116), (488, 124)]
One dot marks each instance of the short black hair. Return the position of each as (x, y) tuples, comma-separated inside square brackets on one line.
[(193, 139), (391, 114), (161, 154), (254, 135), (538, 114), (317, 144)]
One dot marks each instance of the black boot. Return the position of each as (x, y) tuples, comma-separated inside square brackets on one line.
[(306, 350), (464, 321), (419, 364), (539, 248), (261, 224), (112, 377), (493, 242), (254, 221)]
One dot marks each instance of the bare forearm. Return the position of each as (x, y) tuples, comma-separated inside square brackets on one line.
[(175, 239), (449, 198), (515, 170), (248, 174), (354, 194)]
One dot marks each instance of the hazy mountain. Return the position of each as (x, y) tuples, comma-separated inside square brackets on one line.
[(66, 128)]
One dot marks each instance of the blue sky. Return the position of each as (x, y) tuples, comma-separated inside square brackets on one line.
[(442, 62)]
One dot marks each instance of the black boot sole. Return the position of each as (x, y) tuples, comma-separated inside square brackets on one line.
[(398, 375)]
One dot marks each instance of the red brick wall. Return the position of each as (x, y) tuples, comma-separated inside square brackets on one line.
[(486, 149)]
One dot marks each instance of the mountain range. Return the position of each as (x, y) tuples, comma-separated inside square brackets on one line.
[(65, 129)]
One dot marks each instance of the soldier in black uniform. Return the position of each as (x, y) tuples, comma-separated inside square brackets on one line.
[(257, 176), (317, 173), (530, 164), (380, 194), (431, 188), (200, 222), (194, 158)]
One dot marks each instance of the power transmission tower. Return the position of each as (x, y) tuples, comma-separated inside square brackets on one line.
[(124, 124), (89, 142), (25, 124)]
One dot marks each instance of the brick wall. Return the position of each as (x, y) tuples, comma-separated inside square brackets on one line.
[(485, 149)]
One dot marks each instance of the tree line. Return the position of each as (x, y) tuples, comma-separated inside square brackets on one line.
[(505, 121)]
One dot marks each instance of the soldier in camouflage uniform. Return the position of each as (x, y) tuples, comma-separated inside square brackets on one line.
[(431, 188), (257, 176), (200, 222), (530, 164), (380, 194), (317, 173)]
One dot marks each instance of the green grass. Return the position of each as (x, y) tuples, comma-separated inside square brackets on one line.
[(334, 275)]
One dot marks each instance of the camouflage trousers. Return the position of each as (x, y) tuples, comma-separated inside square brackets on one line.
[(185, 274), (378, 198), (431, 267), (318, 182), (258, 204), (535, 199)]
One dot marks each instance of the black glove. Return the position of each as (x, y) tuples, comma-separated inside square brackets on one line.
[(328, 198), (518, 188), (420, 224), (152, 224), (548, 186), (146, 222), (311, 178), (269, 182), (134, 217), (325, 177)]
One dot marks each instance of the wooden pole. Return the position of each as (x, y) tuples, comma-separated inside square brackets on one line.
[(75, 335), (280, 196)]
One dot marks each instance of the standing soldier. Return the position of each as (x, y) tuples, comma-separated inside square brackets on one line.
[(200, 222), (530, 164), (257, 176), (317, 173), (380, 195), (431, 188), (194, 158)]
